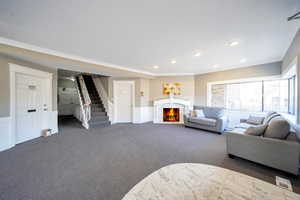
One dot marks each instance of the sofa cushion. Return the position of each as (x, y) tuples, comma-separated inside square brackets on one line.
[(255, 120), (278, 128), (199, 113), (213, 112), (203, 121), (256, 130), (243, 125)]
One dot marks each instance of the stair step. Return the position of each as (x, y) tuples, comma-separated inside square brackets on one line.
[(99, 118), (98, 114), (96, 109), (96, 105)]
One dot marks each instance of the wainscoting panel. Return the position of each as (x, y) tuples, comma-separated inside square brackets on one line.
[(143, 114), (5, 134), (53, 121)]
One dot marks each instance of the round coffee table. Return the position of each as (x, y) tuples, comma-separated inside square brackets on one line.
[(189, 181)]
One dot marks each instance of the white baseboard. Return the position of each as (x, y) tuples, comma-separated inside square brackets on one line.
[(5, 133), (143, 114)]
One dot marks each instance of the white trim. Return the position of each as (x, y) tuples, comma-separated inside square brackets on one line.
[(174, 74), (134, 120), (14, 69), (6, 134), (30, 47), (26, 70)]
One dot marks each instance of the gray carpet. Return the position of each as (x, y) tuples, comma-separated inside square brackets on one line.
[(105, 163)]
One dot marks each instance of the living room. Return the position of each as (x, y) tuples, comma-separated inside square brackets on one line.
[(149, 100)]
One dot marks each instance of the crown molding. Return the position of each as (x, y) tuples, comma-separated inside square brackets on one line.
[(51, 52), (174, 74)]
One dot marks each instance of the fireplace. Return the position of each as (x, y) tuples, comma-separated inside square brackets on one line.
[(171, 114), (170, 110)]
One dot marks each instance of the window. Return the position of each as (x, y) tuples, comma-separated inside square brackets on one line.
[(244, 96), (292, 95), (276, 96), (258, 96)]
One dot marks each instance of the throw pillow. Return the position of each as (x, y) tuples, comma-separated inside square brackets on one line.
[(256, 130), (213, 112), (255, 120), (192, 113), (199, 113), (278, 128), (269, 117)]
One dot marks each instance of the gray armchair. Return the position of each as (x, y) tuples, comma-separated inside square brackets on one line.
[(213, 119)]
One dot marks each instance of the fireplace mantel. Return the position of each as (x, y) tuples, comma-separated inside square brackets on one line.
[(159, 105)]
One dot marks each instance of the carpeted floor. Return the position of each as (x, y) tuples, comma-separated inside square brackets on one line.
[(105, 163)]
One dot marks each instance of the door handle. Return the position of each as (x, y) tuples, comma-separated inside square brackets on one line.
[(32, 110)]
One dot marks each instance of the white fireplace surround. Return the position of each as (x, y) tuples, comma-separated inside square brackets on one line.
[(183, 105)]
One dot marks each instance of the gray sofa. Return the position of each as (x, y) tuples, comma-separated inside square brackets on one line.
[(213, 119), (282, 154)]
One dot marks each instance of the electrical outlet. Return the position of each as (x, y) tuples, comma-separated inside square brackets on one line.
[(284, 183)]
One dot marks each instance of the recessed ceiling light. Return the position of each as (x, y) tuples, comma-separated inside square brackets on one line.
[(173, 61), (155, 66), (243, 60), (233, 43), (216, 66), (197, 53)]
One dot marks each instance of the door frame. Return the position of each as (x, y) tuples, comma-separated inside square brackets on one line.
[(14, 69), (132, 83)]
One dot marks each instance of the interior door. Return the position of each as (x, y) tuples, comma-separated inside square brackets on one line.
[(123, 96), (29, 107)]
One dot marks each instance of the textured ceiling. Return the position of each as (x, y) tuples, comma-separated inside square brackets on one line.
[(139, 34)]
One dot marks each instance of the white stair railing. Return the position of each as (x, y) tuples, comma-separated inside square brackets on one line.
[(108, 105), (85, 102), (86, 96), (82, 115)]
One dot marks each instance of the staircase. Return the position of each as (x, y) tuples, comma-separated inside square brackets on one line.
[(98, 115)]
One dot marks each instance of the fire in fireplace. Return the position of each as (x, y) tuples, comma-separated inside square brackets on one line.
[(171, 114)]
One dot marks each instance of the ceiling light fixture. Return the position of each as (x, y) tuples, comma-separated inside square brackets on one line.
[(197, 54), (243, 60), (173, 61), (155, 66), (233, 43)]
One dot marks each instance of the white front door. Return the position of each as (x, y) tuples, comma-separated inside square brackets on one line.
[(29, 107), (124, 102)]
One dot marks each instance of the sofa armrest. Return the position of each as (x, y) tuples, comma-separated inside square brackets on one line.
[(279, 154), (222, 123), (186, 117)]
